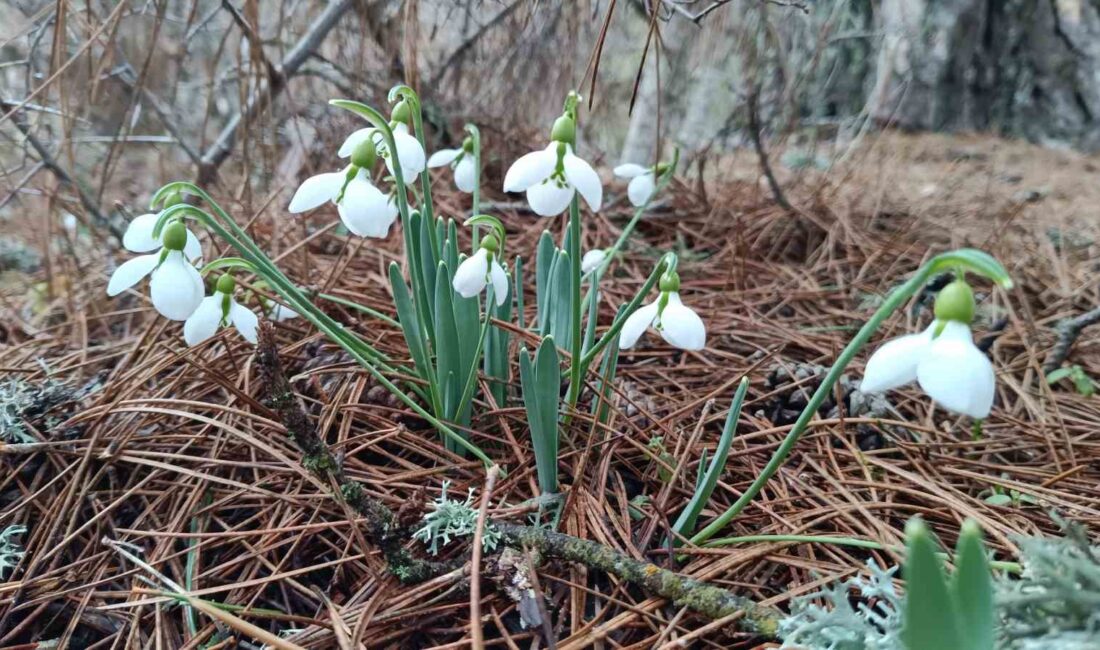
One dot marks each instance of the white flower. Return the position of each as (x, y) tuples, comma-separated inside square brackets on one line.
[(175, 286), (363, 208), (138, 238), (463, 163), (592, 260), (210, 315), (409, 151), (949, 368), (551, 177), (476, 271), (678, 324), (280, 313), (642, 184)]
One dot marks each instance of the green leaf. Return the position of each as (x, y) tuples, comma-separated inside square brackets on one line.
[(928, 617), (541, 382), (974, 260), (410, 325), (685, 523), (972, 588), (998, 500), (1058, 375)]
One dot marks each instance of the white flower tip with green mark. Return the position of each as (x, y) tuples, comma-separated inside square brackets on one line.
[(476, 272), (210, 314), (679, 325), (550, 189)]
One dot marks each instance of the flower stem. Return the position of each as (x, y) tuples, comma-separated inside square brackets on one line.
[(577, 335)]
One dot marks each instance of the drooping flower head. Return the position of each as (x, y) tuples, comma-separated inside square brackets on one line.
[(678, 324), (363, 208), (554, 175), (643, 181), (483, 267), (409, 152), (942, 359), (175, 286), (593, 260), (218, 309), (139, 237), (463, 162)]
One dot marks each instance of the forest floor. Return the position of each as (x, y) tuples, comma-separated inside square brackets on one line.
[(139, 439)]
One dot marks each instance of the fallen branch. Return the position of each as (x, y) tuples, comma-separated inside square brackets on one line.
[(755, 129), (384, 530), (1068, 332)]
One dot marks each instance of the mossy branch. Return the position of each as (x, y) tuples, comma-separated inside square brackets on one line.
[(383, 529)]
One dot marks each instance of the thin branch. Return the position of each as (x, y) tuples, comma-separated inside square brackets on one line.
[(1068, 332), (219, 151), (761, 153), (49, 162)]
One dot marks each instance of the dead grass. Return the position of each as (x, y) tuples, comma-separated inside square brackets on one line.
[(172, 452)]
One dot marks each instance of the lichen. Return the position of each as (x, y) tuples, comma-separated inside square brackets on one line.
[(451, 519)]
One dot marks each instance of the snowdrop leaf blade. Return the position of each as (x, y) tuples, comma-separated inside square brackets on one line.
[(130, 273), (974, 260), (585, 179), (972, 587), (315, 191), (928, 619)]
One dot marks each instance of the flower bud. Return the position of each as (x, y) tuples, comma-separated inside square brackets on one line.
[(468, 145), (174, 237), (564, 130), (226, 284), (490, 243), (401, 112), (955, 302), (669, 282), (364, 154)]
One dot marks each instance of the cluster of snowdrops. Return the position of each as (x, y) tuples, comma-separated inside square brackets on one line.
[(942, 359)]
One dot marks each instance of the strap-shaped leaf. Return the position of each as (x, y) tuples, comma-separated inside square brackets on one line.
[(928, 617), (545, 258), (446, 339), (541, 380), (685, 523), (560, 303), (410, 324), (972, 587)]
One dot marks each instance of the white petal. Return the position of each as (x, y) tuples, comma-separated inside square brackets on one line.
[(681, 326), (192, 249), (176, 287), (592, 260), (316, 190), (204, 322), (636, 325), (641, 189), (365, 210), (581, 176), (444, 157), (353, 141), (549, 199), (629, 170), (244, 320), (280, 313), (466, 174), (131, 272), (531, 168), (471, 275), (956, 374), (409, 152), (500, 282), (895, 363), (138, 237)]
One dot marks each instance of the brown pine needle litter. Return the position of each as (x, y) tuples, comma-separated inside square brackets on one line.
[(173, 450)]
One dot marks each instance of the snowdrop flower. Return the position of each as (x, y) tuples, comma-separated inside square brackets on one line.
[(677, 323), (363, 208), (477, 271), (280, 313), (592, 260), (218, 309), (139, 238), (409, 152), (462, 160), (942, 359), (643, 182), (554, 175), (175, 286)]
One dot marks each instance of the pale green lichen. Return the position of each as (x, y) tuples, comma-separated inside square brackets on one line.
[(450, 519), (11, 551)]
